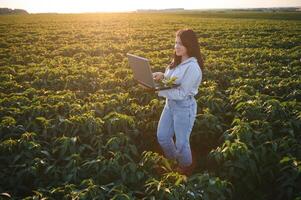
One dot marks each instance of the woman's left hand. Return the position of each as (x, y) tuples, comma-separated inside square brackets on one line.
[(158, 76)]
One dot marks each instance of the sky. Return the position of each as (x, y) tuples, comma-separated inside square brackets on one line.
[(78, 6)]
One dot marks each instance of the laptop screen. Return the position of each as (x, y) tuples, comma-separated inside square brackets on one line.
[(141, 70)]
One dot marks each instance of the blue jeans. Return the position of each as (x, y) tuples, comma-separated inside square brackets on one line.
[(177, 118)]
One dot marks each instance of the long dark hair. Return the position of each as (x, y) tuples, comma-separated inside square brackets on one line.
[(190, 41)]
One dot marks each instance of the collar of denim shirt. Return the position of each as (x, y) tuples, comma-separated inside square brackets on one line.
[(188, 60)]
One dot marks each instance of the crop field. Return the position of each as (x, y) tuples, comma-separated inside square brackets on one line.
[(75, 125)]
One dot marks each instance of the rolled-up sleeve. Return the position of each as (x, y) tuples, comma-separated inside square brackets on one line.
[(188, 82)]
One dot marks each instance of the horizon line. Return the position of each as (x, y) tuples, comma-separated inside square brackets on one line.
[(161, 9)]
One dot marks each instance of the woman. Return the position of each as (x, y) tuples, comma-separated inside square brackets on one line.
[(180, 109)]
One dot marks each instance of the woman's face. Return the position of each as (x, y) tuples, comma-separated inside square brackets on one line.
[(179, 47)]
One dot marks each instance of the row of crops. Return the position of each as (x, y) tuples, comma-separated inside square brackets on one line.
[(74, 124)]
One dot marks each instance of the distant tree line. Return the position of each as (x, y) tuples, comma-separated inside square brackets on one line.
[(272, 9), (4, 11)]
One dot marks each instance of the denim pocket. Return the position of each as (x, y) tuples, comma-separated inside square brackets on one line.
[(184, 104), (184, 120)]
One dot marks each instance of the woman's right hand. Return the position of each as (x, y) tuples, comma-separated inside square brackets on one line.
[(158, 76)]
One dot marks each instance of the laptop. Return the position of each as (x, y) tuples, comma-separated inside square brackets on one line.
[(143, 73)]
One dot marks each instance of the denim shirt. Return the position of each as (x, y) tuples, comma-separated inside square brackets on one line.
[(189, 75)]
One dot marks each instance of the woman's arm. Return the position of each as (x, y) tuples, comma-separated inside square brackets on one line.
[(189, 80)]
